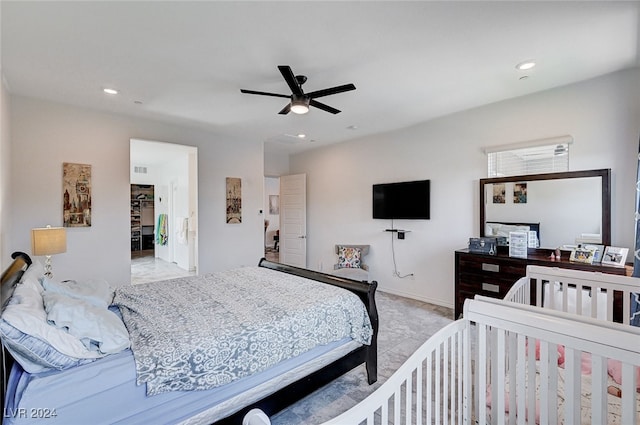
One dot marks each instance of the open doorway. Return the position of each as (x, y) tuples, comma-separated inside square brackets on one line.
[(272, 218), (164, 178)]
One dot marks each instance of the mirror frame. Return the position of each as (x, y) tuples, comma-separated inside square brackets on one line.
[(604, 174)]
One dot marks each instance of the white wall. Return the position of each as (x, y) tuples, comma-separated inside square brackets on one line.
[(5, 169), (46, 134), (601, 115), (276, 164)]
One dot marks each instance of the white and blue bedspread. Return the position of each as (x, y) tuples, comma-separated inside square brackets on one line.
[(201, 332)]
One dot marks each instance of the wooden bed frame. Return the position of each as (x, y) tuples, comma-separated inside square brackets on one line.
[(287, 395)]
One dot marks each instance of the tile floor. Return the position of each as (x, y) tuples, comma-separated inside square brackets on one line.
[(150, 269)]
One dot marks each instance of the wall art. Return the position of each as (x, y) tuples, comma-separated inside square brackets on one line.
[(274, 204), (76, 195), (520, 193), (234, 200)]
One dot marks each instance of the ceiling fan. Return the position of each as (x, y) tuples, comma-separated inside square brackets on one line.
[(300, 101)]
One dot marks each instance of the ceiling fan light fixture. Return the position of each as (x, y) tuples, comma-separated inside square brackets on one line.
[(299, 105)]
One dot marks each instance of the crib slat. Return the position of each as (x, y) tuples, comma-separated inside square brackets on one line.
[(419, 384), (438, 380), (445, 380), (531, 389), (572, 385), (511, 367), (482, 375), (499, 372), (460, 409), (544, 383), (629, 385), (429, 409), (408, 399), (466, 385), (384, 412), (520, 389), (626, 306), (598, 390)]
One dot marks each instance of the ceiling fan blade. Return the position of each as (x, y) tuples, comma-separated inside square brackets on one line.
[(287, 73), (264, 93), (285, 110), (323, 107), (332, 90)]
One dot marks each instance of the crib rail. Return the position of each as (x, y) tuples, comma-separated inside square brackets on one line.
[(485, 368), (585, 293), (428, 388)]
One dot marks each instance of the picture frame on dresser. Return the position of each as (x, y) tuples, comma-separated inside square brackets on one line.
[(615, 256)]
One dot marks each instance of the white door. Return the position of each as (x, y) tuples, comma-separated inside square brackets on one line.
[(293, 220)]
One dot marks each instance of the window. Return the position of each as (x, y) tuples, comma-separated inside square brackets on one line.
[(529, 158)]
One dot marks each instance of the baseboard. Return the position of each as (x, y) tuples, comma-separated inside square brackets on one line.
[(417, 297)]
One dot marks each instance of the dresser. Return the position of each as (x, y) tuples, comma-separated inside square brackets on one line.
[(493, 275)]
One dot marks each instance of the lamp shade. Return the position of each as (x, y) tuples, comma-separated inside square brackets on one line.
[(48, 240)]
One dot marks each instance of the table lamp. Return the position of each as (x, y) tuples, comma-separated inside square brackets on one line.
[(48, 241)]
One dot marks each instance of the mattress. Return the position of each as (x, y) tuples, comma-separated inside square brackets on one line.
[(105, 392)]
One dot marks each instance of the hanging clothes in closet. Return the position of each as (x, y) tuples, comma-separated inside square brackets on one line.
[(162, 235)]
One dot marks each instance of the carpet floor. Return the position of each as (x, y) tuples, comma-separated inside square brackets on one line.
[(405, 324)]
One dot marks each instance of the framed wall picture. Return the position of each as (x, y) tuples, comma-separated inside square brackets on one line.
[(234, 200), (520, 193), (499, 193), (76, 195), (274, 204), (614, 256)]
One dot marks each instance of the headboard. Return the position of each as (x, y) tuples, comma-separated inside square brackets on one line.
[(13, 273), (10, 277), (503, 228)]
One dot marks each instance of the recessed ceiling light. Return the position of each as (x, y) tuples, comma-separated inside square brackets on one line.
[(523, 66), (301, 135), (110, 91)]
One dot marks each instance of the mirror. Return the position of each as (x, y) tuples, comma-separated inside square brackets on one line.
[(564, 208)]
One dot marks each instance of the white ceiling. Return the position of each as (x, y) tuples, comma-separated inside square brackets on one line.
[(185, 62)]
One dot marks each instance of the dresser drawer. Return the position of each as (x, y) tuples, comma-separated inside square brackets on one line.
[(486, 285), (484, 266)]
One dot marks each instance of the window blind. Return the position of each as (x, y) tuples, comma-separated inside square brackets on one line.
[(528, 160)]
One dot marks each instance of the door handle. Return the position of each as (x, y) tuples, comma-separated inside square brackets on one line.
[(302, 237)]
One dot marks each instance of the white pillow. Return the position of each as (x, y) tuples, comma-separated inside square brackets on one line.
[(94, 291), (97, 327), (35, 343)]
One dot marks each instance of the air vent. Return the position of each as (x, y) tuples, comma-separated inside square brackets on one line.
[(140, 170)]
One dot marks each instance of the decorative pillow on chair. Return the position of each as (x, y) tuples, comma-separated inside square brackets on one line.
[(349, 257)]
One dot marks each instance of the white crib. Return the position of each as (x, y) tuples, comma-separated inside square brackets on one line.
[(574, 291), (502, 358)]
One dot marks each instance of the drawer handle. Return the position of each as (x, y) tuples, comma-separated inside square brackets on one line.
[(490, 287), (491, 267)]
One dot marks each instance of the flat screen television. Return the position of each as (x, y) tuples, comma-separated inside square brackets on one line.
[(403, 200)]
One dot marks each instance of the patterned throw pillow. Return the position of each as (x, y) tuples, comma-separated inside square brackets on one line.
[(349, 257)]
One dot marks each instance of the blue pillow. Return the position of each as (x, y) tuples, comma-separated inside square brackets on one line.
[(33, 354)]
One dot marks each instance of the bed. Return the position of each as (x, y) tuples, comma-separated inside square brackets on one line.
[(562, 360), (173, 374)]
